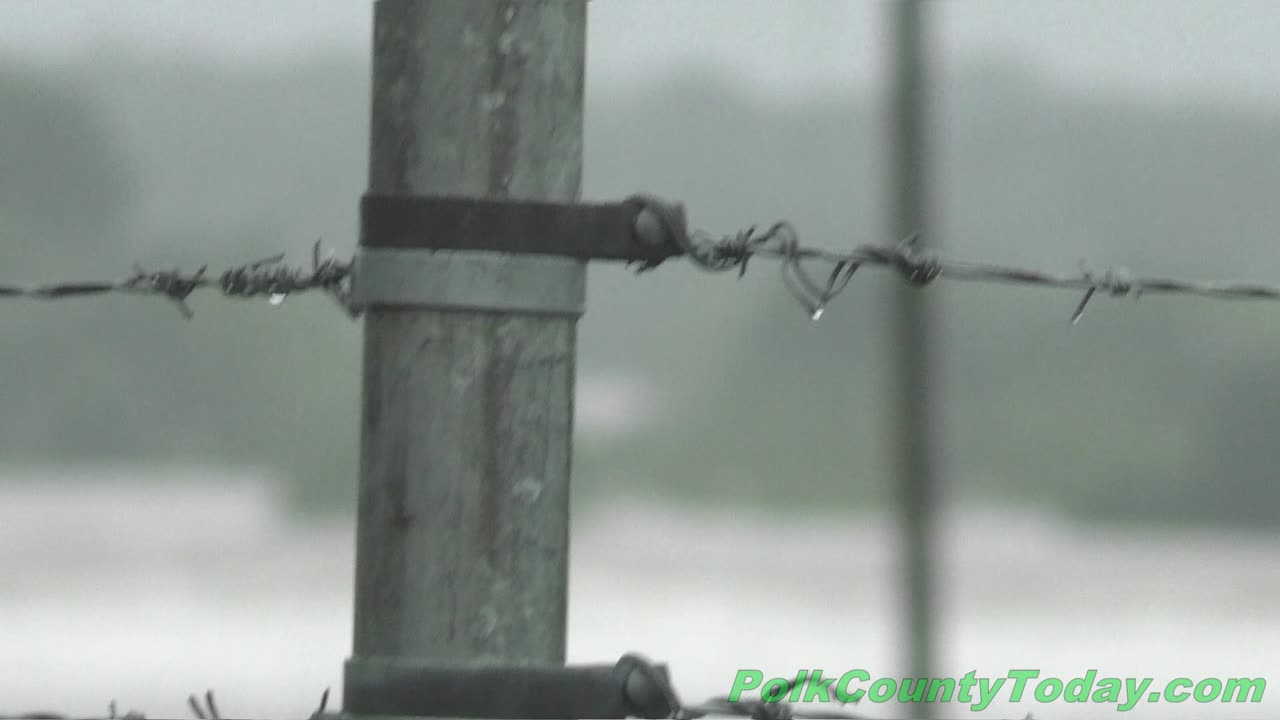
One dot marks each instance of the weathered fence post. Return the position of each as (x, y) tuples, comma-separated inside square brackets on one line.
[(913, 346), (461, 549)]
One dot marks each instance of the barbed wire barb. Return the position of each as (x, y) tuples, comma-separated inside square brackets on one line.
[(750, 709), (759, 709), (271, 279), (919, 269), (267, 278), (210, 709), (324, 703)]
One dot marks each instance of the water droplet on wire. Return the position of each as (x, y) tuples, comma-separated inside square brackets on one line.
[(277, 298)]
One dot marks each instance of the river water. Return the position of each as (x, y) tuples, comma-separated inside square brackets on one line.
[(114, 588)]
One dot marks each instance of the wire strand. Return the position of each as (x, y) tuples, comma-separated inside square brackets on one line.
[(920, 269), (269, 278), (263, 278)]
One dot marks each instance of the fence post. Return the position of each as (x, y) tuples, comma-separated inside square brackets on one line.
[(467, 414), (913, 345)]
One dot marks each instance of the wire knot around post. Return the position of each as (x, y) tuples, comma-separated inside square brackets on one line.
[(916, 268), (267, 277)]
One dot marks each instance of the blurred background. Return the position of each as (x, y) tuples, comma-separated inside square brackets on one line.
[(176, 498)]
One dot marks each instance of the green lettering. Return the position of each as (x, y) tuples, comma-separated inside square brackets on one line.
[(938, 685), (842, 686), (987, 691), (1108, 691), (818, 689), (797, 687), (1020, 678), (744, 680), (966, 685), (1135, 693), (883, 689), (1176, 684), (1048, 690), (906, 694), (1235, 684), (1213, 686), (1077, 690), (775, 689)]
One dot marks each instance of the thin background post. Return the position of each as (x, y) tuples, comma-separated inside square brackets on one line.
[(467, 416), (913, 344)]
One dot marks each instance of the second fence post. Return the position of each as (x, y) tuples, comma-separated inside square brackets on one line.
[(914, 344), (467, 417)]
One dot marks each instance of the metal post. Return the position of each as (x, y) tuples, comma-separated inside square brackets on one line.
[(913, 343), (461, 548)]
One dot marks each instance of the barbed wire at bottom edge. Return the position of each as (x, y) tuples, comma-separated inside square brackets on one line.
[(202, 708), (206, 708)]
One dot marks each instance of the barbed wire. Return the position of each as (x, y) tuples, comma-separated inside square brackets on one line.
[(205, 708), (760, 709), (202, 708), (920, 268), (275, 281), (265, 278)]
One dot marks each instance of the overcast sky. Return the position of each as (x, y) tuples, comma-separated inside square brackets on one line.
[(1158, 46)]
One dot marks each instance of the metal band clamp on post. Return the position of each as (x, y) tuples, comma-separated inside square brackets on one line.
[(511, 256), (639, 229), (399, 688), (468, 280)]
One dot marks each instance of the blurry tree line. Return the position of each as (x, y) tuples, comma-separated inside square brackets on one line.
[(1163, 410)]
